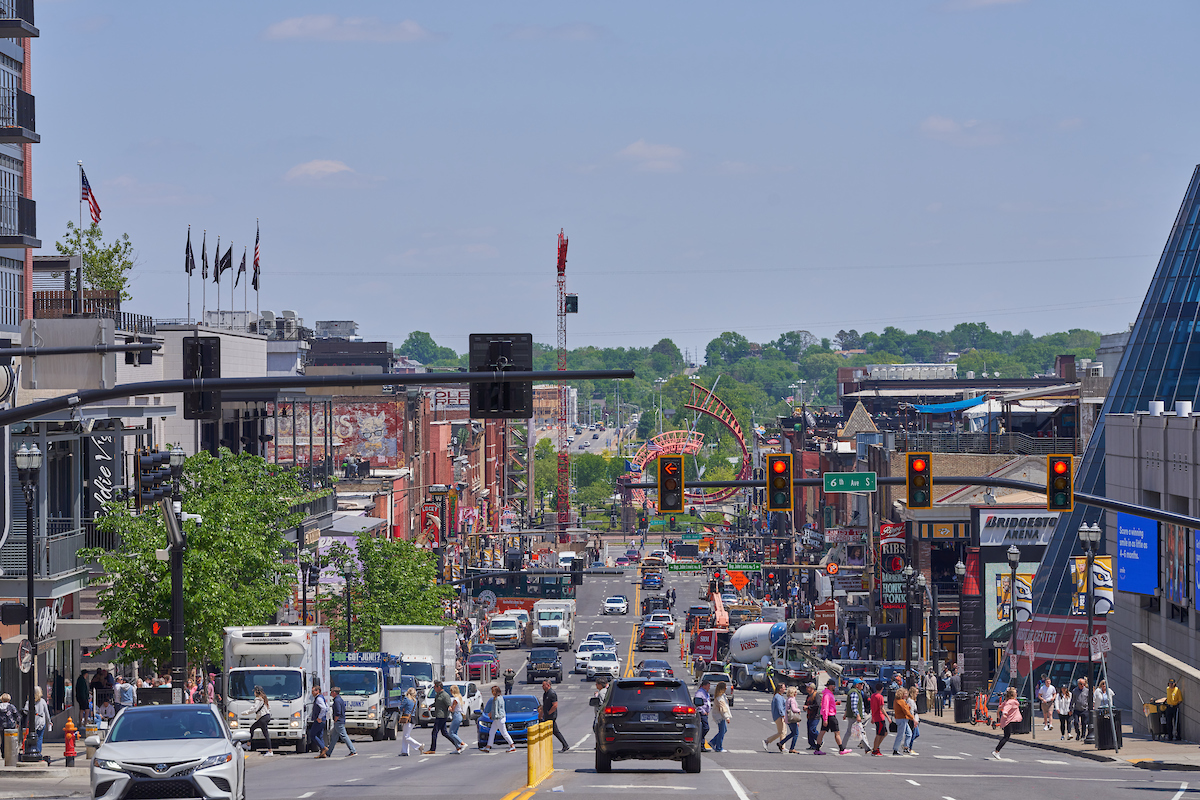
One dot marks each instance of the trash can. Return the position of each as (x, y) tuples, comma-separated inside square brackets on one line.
[(1106, 718), (962, 707), (922, 703), (1154, 718), (1026, 723)]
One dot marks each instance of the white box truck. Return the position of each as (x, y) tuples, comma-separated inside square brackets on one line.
[(427, 654), (553, 624), (286, 661)]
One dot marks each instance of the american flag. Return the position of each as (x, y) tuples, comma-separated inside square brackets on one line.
[(254, 280), (87, 195), (654, 447)]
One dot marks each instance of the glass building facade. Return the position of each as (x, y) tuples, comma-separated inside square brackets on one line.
[(1161, 362)]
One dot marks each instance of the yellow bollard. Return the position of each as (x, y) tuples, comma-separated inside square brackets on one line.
[(539, 753)]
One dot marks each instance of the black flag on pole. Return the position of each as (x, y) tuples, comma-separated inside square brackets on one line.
[(189, 260), (217, 262), (241, 270), (227, 259), (204, 257)]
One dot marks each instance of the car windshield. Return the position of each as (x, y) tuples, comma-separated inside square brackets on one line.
[(504, 624), (515, 705), (354, 681), (543, 654), (604, 655), (279, 684), (550, 615), (164, 723), (421, 670), (617, 600), (588, 646)]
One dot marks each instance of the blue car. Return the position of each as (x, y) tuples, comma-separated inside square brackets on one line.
[(520, 711), (652, 581)]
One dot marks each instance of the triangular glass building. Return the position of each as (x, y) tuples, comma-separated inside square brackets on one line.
[(1161, 362)]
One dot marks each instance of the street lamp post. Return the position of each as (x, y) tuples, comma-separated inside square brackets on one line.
[(348, 574), (1089, 537), (960, 571), (1014, 559), (921, 591), (29, 463), (908, 573)]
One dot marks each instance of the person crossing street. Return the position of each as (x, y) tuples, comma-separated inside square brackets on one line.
[(316, 723), (548, 712), (338, 706), (498, 722), (778, 712), (829, 720)]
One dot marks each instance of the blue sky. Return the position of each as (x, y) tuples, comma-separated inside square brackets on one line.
[(757, 167)]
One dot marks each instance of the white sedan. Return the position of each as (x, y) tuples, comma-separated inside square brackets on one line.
[(664, 618), (584, 654), (617, 604)]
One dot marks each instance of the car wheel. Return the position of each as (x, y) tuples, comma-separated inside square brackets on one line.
[(302, 747), (378, 734), (691, 763), (603, 763)]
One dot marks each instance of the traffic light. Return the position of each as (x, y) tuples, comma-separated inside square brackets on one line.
[(501, 352), (202, 359), (918, 481), (1060, 476), (160, 627), (670, 485), (577, 571), (672, 522), (779, 482), (758, 474), (153, 477)]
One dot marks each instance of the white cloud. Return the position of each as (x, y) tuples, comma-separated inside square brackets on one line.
[(330, 28), (653, 157), (969, 133), (567, 32), (316, 169)]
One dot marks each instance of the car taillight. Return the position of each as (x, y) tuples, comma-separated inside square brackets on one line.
[(688, 710), (616, 710)]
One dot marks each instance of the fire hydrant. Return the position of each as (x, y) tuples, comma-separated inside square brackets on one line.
[(71, 735)]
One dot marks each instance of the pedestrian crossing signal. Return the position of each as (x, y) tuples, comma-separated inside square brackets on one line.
[(160, 627)]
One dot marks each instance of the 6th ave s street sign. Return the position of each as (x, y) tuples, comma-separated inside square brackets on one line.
[(849, 482)]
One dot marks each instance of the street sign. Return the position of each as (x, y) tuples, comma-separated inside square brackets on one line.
[(691, 537), (686, 567), (960, 660), (1029, 648), (738, 579), (25, 655), (849, 482), (1013, 661), (1101, 644), (745, 566)]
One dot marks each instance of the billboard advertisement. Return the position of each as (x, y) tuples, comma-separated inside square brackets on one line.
[(1102, 576), (1137, 554), (1177, 542)]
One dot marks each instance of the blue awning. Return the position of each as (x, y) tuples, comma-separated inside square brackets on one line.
[(946, 408)]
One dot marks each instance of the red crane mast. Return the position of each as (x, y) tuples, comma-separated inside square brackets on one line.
[(564, 452)]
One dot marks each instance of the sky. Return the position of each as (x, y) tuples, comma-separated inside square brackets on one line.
[(756, 167)]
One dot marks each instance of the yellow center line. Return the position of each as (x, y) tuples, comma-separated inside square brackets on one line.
[(637, 607)]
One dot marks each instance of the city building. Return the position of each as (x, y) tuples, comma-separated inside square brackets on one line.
[(18, 134), (545, 404)]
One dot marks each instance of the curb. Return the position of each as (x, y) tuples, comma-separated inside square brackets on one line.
[(1031, 743), (1160, 766)]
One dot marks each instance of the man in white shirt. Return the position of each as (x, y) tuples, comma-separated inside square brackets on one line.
[(1045, 696)]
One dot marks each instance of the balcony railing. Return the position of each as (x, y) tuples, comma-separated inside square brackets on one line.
[(97, 304), (1014, 443), (58, 553), (17, 9)]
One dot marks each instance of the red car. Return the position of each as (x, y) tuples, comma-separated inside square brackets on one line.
[(479, 662), (633, 555)]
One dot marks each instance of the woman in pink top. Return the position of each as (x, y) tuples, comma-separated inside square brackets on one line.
[(829, 720), (1010, 713)]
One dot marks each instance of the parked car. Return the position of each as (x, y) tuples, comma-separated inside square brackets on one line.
[(617, 604), (483, 666), (472, 699), (520, 711), (646, 720)]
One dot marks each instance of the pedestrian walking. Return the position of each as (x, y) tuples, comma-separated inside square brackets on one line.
[(123, 694), (812, 711), (856, 715), (10, 719), (723, 716), (82, 696), (829, 720), (338, 707), (879, 716), (1045, 696), (408, 717), (316, 722), (1173, 699), (778, 713), (1079, 708), (1010, 714), (548, 712), (903, 715), (441, 715), (793, 716), (458, 709), (39, 722), (1103, 696), (510, 677), (703, 703), (497, 716), (1062, 707), (262, 718)]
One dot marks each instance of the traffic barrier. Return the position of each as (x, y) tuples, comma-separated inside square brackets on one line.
[(539, 752)]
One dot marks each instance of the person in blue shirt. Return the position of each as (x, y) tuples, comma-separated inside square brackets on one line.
[(316, 723), (339, 724), (778, 713)]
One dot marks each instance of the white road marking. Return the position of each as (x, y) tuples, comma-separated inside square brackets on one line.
[(914, 783), (947, 797), (737, 787), (961, 753), (393, 768), (936, 747), (307, 794), (950, 758), (1182, 789), (579, 744), (638, 786), (352, 780), (423, 760), (1138, 781), (387, 756), (1044, 761)]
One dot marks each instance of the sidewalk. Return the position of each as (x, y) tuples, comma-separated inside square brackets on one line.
[(1141, 751)]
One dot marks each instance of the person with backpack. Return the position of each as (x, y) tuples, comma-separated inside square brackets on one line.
[(262, 718), (10, 719)]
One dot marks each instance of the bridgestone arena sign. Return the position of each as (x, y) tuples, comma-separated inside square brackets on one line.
[(998, 529)]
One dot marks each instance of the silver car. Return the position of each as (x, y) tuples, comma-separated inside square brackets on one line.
[(169, 751)]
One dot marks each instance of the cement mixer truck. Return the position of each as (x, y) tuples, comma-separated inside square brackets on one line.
[(784, 647)]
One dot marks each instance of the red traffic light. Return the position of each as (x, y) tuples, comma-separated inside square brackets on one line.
[(1060, 467), (919, 465), (779, 466)]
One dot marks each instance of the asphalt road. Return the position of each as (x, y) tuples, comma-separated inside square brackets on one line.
[(951, 765)]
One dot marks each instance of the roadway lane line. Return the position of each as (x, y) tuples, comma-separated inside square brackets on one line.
[(352, 780), (928, 775), (1044, 761), (307, 794), (737, 787), (959, 758), (1182, 789), (637, 786), (390, 769), (579, 744), (946, 797)]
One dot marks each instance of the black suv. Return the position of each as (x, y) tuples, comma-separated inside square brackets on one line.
[(544, 662), (654, 639), (647, 719)]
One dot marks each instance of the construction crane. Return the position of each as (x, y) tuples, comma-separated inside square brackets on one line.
[(564, 451)]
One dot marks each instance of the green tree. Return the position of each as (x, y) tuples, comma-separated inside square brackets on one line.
[(420, 346), (234, 572), (105, 266), (728, 348), (392, 582)]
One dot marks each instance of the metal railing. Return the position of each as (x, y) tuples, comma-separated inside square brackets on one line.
[(947, 588), (58, 553), (17, 9), (1014, 443), (17, 109), (96, 304)]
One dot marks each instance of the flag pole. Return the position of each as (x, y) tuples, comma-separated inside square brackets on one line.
[(203, 281), (79, 274), (246, 292), (217, 278), (189, 303), (257, 278)]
